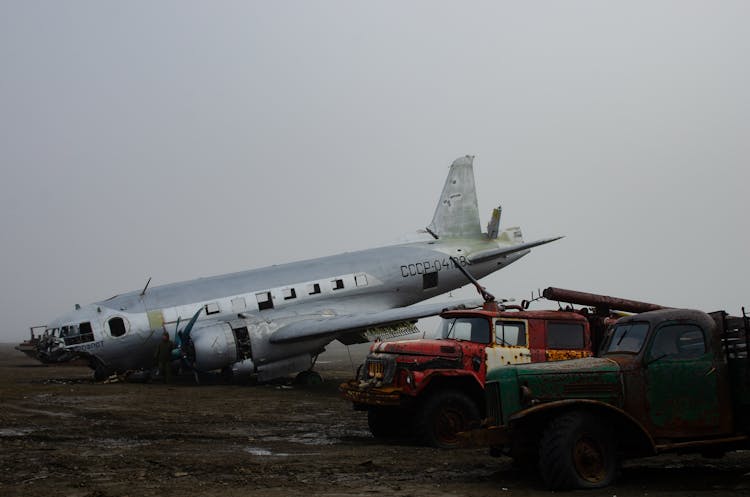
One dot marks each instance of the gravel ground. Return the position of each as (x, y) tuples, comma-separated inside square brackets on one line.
[(61, 434)]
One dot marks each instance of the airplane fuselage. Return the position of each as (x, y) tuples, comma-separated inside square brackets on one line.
[(265, 299)]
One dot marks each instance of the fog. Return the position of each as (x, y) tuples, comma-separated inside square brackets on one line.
[(179, 139)]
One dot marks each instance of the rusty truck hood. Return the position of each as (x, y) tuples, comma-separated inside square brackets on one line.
[(590, 378), (585, 365), (434, 348)]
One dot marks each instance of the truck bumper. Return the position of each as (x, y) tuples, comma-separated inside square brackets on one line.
[(373, 396)]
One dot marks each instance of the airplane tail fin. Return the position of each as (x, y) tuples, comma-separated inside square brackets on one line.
[(457, 214)]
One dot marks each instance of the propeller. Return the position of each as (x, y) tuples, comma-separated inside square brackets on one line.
[(181, 349)]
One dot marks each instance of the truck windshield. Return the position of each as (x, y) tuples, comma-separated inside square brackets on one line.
[(471, 329), (627, 338)]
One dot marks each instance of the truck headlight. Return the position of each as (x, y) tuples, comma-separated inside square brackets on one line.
[(527, 396)]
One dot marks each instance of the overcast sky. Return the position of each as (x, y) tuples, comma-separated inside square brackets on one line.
[(179, 139)]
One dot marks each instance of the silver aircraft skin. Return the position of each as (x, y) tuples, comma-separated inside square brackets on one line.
[(274, 321)]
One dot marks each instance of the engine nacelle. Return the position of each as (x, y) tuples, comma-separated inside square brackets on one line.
[(285, 366), (243, 368), (213, 347)]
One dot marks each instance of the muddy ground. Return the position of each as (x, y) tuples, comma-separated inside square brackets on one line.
[(61, 434)]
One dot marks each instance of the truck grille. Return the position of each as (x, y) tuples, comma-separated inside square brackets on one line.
[(494, 408), (381, 368)]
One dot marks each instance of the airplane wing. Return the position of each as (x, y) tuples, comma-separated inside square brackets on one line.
[(340, 325), (484, 255)]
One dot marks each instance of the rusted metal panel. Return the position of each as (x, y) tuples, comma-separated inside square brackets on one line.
[(517, 314), (444, 348), (590, 378), (353, 392), (598, 301), (567, 354)]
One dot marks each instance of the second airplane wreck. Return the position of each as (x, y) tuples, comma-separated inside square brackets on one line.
[(274, 321)]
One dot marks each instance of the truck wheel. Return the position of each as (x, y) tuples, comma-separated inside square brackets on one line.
[(385, 422), (442, 416), (577, 451)]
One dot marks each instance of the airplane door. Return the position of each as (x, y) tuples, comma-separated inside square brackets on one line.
[(681, 383)]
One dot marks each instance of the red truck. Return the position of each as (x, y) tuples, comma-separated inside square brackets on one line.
[(435, 388)]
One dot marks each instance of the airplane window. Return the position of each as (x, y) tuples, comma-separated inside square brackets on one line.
[(313, 288), (77, 333), (289, 293), (117, 327), (212, 308), (429, 280), (265, 300), (360, 280), (337, 284), (87, 334)]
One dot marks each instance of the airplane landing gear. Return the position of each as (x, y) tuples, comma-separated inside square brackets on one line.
[(101, 372), (308, 378)]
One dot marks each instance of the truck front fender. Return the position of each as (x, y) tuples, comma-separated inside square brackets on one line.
[(633, 437), (465, 381)]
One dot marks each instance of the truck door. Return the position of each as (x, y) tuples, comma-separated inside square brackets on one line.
[(681, 383), (511, 344)]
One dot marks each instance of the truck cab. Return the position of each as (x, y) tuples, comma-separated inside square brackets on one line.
[(434, 388), (666, 380), (674, 373)]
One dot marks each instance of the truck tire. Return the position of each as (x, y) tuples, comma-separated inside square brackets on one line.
[(386, 422), (442, 415), (577, 450)]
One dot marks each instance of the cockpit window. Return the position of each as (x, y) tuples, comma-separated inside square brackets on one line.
[(87, 334), (117, 327), (73, 334)]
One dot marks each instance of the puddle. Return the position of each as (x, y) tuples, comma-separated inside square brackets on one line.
[(312, 439), (40, 411), (322, 436), (257, 451), (305, 439), (120, 443), (14, 432)]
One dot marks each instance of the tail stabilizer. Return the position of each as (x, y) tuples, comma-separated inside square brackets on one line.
[(457, 214), (486, 255)]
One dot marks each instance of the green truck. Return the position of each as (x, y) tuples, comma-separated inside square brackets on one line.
[(671, 380)]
